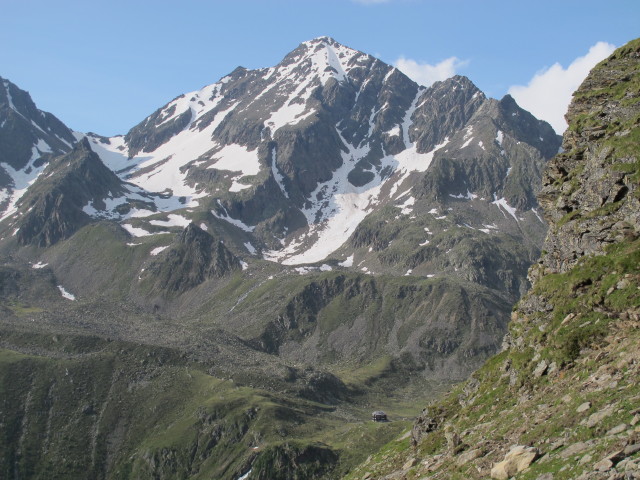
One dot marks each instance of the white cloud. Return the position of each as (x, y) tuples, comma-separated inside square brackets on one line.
[(548, 93), (426, 74)]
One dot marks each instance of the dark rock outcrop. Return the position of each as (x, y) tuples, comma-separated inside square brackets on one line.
[(194, 258), (52, 209)]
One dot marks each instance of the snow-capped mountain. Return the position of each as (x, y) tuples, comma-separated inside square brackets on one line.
[(279, 227), (286, 163), (29, 137), (295, 156)]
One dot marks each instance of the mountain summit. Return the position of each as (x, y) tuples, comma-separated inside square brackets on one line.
[(29, 138)]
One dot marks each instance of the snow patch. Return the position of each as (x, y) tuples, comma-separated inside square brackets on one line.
[(161, 171), (279, 178), (394, 132), (172, 220), (468, 136), (403, 194), (245, 476), (467, 196), (236, 158), (499, 137), (502, 203), (537, 215), (39, 265), (407, 207), (157, 250), (348, 262), (289, 114), (435, 213), (250, 248), (66, 294), (309, 269), (336, 210), (227, 218), (138, 232)]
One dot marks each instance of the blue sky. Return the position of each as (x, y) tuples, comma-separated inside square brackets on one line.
[(103, 66)]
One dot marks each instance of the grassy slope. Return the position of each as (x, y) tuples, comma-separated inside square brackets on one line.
[(88, 408)]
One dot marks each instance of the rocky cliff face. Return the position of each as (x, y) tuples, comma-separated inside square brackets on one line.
[(589, 192), (55, 209), (561, 400), (194, 258)]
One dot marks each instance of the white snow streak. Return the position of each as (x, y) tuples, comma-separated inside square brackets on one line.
[(250, 248), (467, 196), (227, 218), (537, 215), (66, 294), (172, 220), (139, 232), (245, 476), (502, 203), (468, 136), (157, 250), (279, 178)]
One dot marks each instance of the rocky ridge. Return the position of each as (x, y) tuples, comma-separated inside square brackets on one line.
[(561, 400)]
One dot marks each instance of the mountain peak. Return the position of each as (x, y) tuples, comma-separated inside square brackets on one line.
[(323, 40), (323, 57), (320, 39)]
